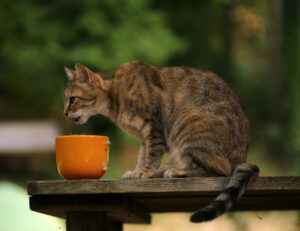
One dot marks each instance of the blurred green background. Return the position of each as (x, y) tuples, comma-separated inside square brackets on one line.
[(253, 44)]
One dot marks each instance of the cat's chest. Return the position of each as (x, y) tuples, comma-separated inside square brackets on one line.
[(133, 124)]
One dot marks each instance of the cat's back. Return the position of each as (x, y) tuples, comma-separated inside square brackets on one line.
[(188, 77), (168, 78), (187, 85), (196, 87)]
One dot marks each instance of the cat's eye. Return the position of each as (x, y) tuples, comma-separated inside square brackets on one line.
[(72, 100)]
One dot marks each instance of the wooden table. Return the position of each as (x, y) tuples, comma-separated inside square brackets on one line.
[(107, 204)]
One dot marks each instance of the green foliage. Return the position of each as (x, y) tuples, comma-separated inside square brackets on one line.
[(39, 38), (231, 38)]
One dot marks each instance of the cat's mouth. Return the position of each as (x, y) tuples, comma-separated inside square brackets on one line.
[(75, 119)]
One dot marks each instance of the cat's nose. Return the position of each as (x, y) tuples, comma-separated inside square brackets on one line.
[(66, 114)]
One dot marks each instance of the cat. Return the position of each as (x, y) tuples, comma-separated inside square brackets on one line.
[(191, 113)]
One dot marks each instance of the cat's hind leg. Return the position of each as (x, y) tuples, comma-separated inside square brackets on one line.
[(182, 166), (172, 172), (190, 172), (206, 158)]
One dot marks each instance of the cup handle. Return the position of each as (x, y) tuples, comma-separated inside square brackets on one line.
[(108, 144)]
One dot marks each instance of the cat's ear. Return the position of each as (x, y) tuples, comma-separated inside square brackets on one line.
[(83, 73), (87, 76), (70, 73)]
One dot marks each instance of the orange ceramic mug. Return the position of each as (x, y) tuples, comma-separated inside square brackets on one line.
[(82, 156)]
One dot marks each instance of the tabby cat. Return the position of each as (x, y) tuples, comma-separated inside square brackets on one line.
[(191, 113)]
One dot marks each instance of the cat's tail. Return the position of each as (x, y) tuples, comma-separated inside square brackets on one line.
[(243, 174)]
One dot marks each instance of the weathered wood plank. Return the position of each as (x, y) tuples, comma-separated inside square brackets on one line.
[(204, 185), (193, 203), (114, 226), (131, 201), (57, 205), (82, 221), (118, 208), (91, 221)]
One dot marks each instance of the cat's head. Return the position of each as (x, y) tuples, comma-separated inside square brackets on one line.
[(85, 94)]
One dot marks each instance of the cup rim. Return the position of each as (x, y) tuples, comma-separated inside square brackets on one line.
[(81, 136)]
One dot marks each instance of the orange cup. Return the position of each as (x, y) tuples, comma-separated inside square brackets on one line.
[(82, 156)]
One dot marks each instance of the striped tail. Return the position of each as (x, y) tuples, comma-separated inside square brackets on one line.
[(243, 174)]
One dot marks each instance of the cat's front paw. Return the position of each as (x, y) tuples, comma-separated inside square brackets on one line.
[(128, 175), (138, 174), (143, 173)]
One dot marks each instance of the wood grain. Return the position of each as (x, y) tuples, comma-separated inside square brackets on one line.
[(201, 185), (131, 201), (119, 208), (82, 221), (92, 221)]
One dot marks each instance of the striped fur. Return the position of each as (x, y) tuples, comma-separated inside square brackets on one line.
[(190, 113), (241, 177)]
